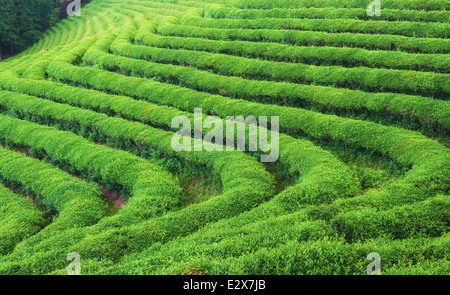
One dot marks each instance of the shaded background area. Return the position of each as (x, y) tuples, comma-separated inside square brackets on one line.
[(22, 22)]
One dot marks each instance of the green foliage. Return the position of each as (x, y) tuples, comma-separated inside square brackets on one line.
[(19, 219), (310, 38), (427, 218), (389, 4), (410, 29), (220, 11), (227, 84), (90, 106), (346, 56)]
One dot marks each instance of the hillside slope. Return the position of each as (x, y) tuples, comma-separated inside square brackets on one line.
[(364, 166)]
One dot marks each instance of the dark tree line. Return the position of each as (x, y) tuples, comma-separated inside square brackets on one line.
[(22, 22)]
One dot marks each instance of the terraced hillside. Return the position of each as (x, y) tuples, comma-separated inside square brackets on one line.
[(87, 164)]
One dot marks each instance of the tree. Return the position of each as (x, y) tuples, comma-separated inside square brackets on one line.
[(23, 21)]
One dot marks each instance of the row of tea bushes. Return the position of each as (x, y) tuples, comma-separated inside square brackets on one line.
[(221, 11), (368, 41), (19, 219), (345, 56), (409, 29), (388, 4)]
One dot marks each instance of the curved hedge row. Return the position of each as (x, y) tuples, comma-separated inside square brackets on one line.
[(309, 160), (230, 242), (426, 218), (50, 111), (310, 203), (427, 157), (370, 79), (425, 178), (389, 4), (113, 82), (430, 109), (384, 42), (37, 70), (236, 175), (321, 257), (299, 164), (409, 29), (209, 250), (220, 11), (291, 153), (155, 13), (56, 190), (235, 181), (143, 179), (231, 237), (76, 203), (148, 4), (19, 219), (349, 57)]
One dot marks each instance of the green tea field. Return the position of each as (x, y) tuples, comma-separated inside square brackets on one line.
[(357, 110)]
